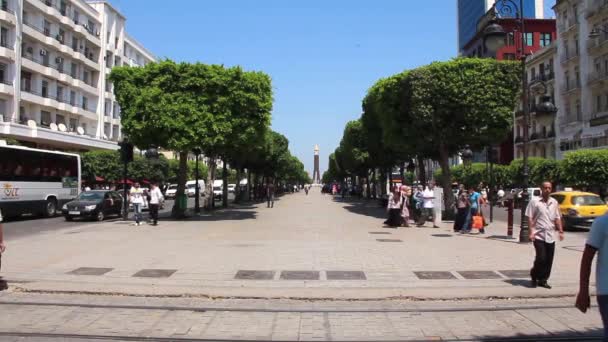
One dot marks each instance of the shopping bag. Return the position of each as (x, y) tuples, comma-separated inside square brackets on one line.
[(477, 222)]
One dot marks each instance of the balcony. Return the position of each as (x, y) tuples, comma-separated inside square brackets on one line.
[(569, 57), (602, 119), (596, 8), (548, 76), (569, 88), (567, 27), (62, 103), (597, 78), (7, 14), (595, 45)]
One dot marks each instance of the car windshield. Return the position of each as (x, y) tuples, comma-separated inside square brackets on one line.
[(190, 186), (91, 196), (217, 188), (587, 200), (173, 187)]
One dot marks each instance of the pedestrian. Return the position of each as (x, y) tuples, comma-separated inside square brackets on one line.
[(417, 199), (462, 207), (544, 219), (596, 242), (306, 188), (3, 285), (156, 198), (406, 191), (474, 198), (428, 206), (87, 188), (270, 194), (136, 195), (393, 208)]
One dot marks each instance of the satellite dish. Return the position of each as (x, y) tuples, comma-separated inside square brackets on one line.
[(105, 137), (80, 130), (62, 127), (31, 124), (53, 126)]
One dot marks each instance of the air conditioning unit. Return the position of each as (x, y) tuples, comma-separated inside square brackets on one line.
[(43, 52), (59, 60), (30, 49)]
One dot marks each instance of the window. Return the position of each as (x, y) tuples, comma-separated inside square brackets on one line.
[(85, 77), (108, 36), (47, 28), (578, 111), (4, 37), (577, 74), (510, 39), (76, 17), (606, 101), (545, 39), (45, 118), (598, 65), (576, 49), (73, 125), (109, 86), (116, 42), (529, 38), (567, 78), (598, 103), (59, 93), (59, 119), (74, 43), (72, 97), (45, 88), (85, 102), (532, 74), (26, 81), (45, 57), (575, 13), (74, 71), (3, 73), (3, 108), (566, 49), (61, 36), (63, 7)]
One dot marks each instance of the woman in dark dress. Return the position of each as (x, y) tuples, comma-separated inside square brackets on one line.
[(394, 208)]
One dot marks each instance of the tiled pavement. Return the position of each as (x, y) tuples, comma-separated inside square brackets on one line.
[(116, 317), (314, 235)]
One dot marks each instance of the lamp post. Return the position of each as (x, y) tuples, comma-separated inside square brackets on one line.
[(197, 206), (126, 155), (494, 39)]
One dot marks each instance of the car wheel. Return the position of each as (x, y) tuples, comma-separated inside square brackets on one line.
[(100, 216), (564, 224), (69, 218), (50, 208)]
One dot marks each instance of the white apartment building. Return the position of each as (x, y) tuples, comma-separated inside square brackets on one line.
[(55, 56), (539, 70), (581, 75)]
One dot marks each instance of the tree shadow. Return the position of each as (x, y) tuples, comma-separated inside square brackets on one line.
[(592, 334), (217, 215), (364, 207)]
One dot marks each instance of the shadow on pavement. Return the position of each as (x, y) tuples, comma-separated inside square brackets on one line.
[(593, 334), (519, 282), (362, 206)]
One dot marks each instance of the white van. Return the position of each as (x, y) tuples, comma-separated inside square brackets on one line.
[(218, 189), (191, 187)]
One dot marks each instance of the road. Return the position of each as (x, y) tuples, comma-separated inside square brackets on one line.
[(31, 225)]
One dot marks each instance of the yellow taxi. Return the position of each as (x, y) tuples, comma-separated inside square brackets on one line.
[(579, 209)]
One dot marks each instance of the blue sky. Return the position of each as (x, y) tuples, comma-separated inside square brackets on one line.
[(322, 55)]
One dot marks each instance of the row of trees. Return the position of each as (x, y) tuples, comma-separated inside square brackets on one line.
[(224, 112), (431, 112)]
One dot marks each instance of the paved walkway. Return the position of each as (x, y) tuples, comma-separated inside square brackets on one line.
[(306, 247)]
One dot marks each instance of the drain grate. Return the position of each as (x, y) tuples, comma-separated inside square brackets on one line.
[(345, 275), (442, 235), (434, 275), (388, 240), (93, 271), (254, 275), (154, 273), (379, 233), (479, 275), (300, 275)]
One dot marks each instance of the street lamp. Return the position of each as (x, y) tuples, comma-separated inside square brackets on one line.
[(197, 206), (494, 39)]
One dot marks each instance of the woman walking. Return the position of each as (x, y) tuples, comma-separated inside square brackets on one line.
[(406, 192), (394, 208), (462, 206)]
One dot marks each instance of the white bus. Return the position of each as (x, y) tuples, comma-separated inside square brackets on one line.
[(36, 181)]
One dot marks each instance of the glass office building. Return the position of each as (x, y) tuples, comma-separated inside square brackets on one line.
[(469, 12)]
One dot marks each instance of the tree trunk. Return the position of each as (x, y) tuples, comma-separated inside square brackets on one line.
[(224, 185), (237, 190), (176, 211), (209, 200), (446, 177), (422, 170), (369, 188), (375, 184)]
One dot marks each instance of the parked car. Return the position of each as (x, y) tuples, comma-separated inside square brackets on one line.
[(231, 188), (217, 189), (579, 209), (95, 204), (171, 191)]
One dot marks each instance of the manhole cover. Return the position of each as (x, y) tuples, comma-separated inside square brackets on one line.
[(434, 275), (254, 275), (90, 271), (514, 274), (154, 273), (386, 233), (441, 235), (345, 275), (479, 274), (388, 240), (300, 275)]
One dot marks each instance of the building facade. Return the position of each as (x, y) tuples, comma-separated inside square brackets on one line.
[(542, 133), (470, 11), (582, 75), (55, 57)]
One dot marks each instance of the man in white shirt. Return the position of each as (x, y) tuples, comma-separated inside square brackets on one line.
[(596, 242), (156, 197), (136, 195), (428, 205), (544, 219)]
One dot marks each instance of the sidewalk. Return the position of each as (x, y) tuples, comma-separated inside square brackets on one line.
[(306, 247)]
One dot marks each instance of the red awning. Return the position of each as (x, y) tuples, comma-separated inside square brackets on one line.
[(99, 179), (145, 181), (122, 181)]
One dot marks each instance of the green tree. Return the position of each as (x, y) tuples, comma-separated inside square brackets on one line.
[(540, 169), (101, 163), (585, 169)]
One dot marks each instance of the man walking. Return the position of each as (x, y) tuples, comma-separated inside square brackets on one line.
[(544, 219), (156, 197), (428, 206), (596, 242), (136, 195), (270, 194)]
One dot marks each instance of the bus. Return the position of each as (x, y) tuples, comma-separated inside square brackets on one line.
[(35, 181)]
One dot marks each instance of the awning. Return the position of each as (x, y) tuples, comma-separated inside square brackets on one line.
[(122, 181), (99, 179)]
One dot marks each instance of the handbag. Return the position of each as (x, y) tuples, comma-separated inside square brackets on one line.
[(477, 222)]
